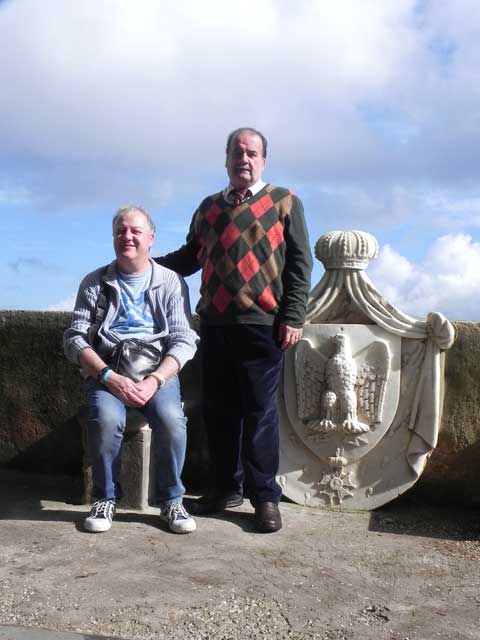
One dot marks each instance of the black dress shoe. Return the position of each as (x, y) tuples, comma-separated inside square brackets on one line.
[(215, 503), (267, 517)]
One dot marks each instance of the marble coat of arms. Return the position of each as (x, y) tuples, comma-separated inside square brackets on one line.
[(361, 397)]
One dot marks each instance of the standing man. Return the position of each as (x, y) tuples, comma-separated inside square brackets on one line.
[(251, 242), (133, 298)]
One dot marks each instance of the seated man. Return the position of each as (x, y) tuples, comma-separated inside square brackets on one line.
[(133, 297)]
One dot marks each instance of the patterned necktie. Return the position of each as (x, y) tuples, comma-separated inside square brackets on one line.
[(239, 195)]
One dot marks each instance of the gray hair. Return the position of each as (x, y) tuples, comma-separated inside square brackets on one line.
[(133, 207), (234, 134)]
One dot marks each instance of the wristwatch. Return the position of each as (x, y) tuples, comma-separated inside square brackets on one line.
[(161, 380)]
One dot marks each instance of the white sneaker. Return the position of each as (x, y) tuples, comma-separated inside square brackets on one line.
[(177, 518), (100, 517)]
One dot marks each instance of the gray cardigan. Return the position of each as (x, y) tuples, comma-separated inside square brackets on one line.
[(168, 296)]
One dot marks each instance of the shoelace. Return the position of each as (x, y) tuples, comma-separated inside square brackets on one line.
[(176, 509), (102, 507)]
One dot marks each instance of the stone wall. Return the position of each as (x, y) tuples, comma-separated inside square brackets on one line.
[(453, 471), (41, 395)]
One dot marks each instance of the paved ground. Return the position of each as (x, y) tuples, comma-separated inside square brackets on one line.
[(16, 632), (406, 572)]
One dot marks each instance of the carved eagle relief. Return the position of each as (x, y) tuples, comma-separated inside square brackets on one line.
[(331, 391)]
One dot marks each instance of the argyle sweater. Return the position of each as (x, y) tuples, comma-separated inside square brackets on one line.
[(255, 259)]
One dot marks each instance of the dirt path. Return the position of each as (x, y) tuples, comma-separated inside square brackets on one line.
[(406, 572)]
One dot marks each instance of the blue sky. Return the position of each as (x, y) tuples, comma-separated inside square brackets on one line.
[(371, 109)]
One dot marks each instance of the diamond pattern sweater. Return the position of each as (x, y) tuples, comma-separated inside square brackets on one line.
[(255, 258)]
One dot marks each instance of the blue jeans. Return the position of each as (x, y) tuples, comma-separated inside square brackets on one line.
[(106, 425)]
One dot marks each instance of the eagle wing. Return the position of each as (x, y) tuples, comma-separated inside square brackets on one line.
[(372, 378), (310, 379)]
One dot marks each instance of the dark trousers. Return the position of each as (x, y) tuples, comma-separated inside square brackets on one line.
[(241, 372)]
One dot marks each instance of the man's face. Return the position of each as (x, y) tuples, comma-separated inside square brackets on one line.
[(245, 162), (132, 237)]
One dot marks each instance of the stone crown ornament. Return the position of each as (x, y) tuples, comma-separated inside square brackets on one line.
[(346, 249)]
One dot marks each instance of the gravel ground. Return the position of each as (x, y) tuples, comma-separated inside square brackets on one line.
[(406, 572)]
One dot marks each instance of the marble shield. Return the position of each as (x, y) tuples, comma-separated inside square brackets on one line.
[(360, 400)]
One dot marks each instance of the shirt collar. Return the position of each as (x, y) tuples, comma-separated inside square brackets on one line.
[(254, 189)]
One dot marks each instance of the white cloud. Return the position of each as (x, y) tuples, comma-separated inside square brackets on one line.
[(64, 305), (447, 280), (370, 108), (14, 195), (378, 208), (453, 210), (102, 94)]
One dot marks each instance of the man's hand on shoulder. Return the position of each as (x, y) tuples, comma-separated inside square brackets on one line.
[(288, 336)]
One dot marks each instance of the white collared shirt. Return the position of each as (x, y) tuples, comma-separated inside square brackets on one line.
[(254, 189)]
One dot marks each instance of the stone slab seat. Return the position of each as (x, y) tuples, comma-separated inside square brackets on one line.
[(136, 474)]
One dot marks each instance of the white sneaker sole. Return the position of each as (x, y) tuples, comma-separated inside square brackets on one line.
[(96, 526), (186, 526)]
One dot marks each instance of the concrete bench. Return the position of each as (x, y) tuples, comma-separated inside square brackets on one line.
[(136, 475)]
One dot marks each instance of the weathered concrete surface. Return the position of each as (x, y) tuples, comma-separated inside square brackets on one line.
[(14, 632), (404, 572)]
